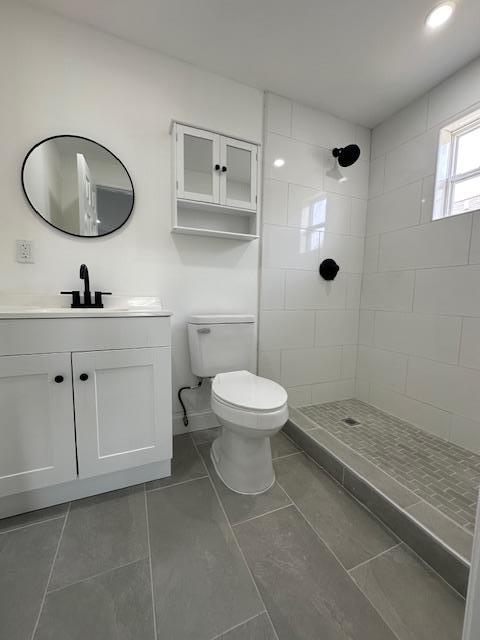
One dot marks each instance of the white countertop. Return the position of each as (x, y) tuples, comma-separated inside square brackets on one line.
[(14, 305)]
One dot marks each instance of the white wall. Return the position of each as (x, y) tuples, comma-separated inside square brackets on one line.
[(308, 327), (419, 353), (61, 77)]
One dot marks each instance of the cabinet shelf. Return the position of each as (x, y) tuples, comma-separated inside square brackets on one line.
[(183, 203), (214, 233)]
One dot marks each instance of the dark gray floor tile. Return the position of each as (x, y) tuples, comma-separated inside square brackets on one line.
[(206, 435), (411, 598), (26, 558), (201, 583), (240, 507), (282, 446), (453, 570), (259, 628), (352, 533), (186, 464), (101, 533), (39, 515), (453, 535), (116, 605), (306, 591), (314, 450)]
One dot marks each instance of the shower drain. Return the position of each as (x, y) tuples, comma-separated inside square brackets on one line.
[(350, 422)]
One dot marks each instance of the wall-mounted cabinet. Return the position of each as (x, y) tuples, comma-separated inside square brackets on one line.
[(215, 188)]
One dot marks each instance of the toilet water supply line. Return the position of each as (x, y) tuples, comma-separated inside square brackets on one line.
[(179, 395)]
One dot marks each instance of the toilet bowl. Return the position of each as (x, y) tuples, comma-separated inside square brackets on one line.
[(250, 409)]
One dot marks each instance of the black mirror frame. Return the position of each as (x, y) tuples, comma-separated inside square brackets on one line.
[(70, 135)]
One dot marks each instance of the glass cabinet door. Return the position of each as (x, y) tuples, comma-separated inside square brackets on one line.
[(238, 186), (198, 168)]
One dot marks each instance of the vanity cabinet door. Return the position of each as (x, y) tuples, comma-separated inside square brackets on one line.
[(198, 164), (37, 434), (123, 409)]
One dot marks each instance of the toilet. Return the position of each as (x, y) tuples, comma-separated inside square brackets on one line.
[(250, 409)]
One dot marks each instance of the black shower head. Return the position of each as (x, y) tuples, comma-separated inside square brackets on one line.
[(347, 155)]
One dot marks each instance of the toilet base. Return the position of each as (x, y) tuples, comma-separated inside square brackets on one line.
[(243, 463)]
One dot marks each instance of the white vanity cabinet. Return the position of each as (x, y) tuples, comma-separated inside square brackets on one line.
[(85, 407), (216, 180)]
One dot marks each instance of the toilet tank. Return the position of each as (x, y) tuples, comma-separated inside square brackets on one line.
[(221, 343)]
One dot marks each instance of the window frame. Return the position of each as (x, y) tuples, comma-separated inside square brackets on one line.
[(446, 178)]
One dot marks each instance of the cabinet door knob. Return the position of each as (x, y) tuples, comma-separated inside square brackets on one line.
[(224, 169), (58, 379), (217, 167), (83, 377)]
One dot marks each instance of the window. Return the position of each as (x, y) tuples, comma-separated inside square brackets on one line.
[(457, 186)]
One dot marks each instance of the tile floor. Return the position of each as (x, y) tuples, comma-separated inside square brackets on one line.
[(441, 473), (184, 558)]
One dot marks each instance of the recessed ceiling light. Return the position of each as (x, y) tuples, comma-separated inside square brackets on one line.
[(278, 162), (439, 15)]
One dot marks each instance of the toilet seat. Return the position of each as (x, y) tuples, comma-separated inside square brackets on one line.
[(246, 391)]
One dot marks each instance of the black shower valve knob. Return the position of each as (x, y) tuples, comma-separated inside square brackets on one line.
[(328, 269)]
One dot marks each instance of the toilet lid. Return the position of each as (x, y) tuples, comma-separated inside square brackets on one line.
[(248, 391)]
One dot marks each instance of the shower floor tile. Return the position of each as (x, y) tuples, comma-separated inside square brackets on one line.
[(438, 472)]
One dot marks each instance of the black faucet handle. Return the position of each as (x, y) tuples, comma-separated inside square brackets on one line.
[(75, 298), (98, 297)]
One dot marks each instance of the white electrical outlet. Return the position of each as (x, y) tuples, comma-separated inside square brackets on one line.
[(25, 251)]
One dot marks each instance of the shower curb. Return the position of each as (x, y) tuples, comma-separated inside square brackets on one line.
[(451, 565)]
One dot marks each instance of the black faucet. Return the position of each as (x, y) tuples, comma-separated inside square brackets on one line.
[(87, 294)]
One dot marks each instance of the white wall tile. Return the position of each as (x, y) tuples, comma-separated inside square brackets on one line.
[(269, 365), (418, 413), (275, 201), (286, 329), (363, 138), (272, 289), (411, 161), (358, 220), (475, 244), (279, 114), (324, 211), (428, 188), (470, 345), (349, 361), (465, 433), (323, 129), (304, 163), (354, 288), (450, 291), (391, 291), (377, 177), (362, 390), (370, 263), (456, 94), (290, 247), (357, 178), (382, 367), (405, 124), (347, 251), (436, 244), (333, 391), (299, 396), (445, 386), (366, 327), (310, 366), (336, 327), (307, 290), (395, 209), (429, 336)]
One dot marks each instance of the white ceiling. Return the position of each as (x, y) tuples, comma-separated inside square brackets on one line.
[(358, 59)]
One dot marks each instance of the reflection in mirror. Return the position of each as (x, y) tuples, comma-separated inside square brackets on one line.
[(77, 186)]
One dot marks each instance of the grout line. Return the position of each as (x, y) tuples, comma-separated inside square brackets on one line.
[(42, 604), (175, 484), (237, 543), (236, 626), (32, 524), (95, 575), (150, 564), (360, 564), (287, 455), (260, 515)]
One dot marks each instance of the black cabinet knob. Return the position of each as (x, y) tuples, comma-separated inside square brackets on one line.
[(58, 379), (83, 377), (217, 167), (224, 169)]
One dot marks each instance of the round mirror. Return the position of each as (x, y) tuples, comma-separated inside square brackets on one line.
[(77, 186)]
